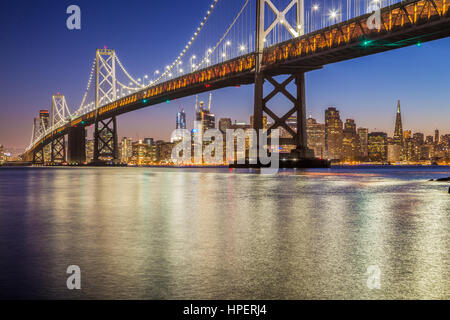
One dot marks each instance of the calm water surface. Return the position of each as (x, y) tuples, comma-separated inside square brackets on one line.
[(145, 233)]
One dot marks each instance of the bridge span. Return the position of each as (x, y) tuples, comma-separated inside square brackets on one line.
[(402, 24)]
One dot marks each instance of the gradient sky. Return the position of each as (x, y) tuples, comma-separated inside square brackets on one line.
[(40, 56)]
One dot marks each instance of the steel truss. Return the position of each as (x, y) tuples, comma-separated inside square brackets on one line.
[(105, 77), (60, 110), (38, 156), (298, 136), (106, 147), (58, 150)]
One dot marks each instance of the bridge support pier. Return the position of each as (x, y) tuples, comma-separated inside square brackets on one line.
[(298, 136), (77, 145), (58, 150), (38, 156), (106, 145)]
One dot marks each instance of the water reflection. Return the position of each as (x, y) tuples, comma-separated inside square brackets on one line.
[(159, 234)]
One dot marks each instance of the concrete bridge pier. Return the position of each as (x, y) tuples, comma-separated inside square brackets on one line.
[(77, 145)]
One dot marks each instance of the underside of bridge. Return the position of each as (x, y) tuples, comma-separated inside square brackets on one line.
[(77, 145), (402, 24)]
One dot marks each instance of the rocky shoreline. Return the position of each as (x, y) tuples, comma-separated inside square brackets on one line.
[(441, 179)]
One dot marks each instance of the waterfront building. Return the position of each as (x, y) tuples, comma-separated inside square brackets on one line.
[(378, 147), (316, 137), (394, 153), (398, 131), (350, 142), (363, 134), (2, 155), (140, 154), (126, 150), (224, 125), (89, 150), (333, 134)]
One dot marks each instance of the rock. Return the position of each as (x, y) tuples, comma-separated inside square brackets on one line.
[(443, 179)]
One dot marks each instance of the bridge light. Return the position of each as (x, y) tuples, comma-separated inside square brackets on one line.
[(167, 101), (366, 43), (419, 44), (144, 101), (242, 48), (315, 7), (333, 14)]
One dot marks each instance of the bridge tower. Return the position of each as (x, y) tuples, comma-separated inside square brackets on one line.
[(294, 74), (106, 146), (60, 113)]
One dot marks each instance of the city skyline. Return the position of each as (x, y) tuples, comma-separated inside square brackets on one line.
[(346, 84)]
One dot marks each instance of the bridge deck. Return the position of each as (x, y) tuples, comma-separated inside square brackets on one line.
[(403, 24)]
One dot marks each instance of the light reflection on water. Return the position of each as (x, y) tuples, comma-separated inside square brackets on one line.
[(213, 234)]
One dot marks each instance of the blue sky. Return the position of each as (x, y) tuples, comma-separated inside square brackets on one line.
[(40, 56)]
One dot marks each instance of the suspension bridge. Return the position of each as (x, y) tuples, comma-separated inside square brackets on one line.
[(261, 39)]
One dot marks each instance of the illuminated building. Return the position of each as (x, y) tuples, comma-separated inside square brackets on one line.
[(398, 132), (333, 134), (316, 137), (179, 125), (126, 150), (363, 134), (89, 150), (181, 120), (224, 125), (140, 153), (394, 153), (350, 142), (265, 124), (378, 146), (407, 134), (436, 137), (44, 117), (2, 155), (164, 152), (204, 119), (149, 141)]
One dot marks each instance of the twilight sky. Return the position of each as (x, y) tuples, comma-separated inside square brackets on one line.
[(39, 56)]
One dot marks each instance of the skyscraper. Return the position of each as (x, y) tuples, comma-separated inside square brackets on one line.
[(378, 147), (126, 150), (181, 120), (333, 134), (398, 132), (225, 124), (44, 117), (350, 142), (363, 134), (436, 137), (316, 137), (204, 119)]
